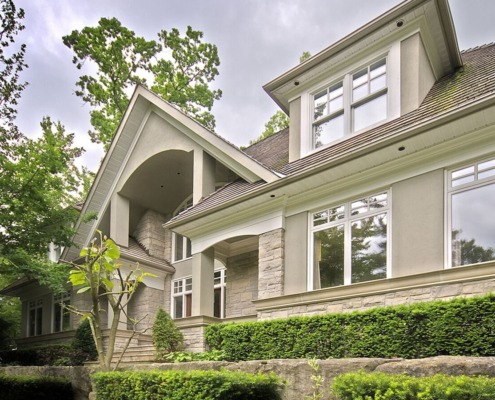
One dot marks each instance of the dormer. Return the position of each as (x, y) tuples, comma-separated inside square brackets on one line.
[(374, 75)]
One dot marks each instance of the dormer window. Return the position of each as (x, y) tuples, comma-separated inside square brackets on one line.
[(356, 102)]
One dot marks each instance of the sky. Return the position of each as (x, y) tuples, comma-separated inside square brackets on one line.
[(257, 41)]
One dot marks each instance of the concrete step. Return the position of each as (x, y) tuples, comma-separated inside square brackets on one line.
[(136, 354)]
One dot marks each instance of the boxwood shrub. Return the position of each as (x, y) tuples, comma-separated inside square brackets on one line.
[(380, 386), (184, 385), (459, 327), (34, 388)]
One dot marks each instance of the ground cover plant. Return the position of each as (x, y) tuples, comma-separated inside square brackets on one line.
[(460, 327)]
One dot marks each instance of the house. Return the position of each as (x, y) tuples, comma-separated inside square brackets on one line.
[(381, 192)]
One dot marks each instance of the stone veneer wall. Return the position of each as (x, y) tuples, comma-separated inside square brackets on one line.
[(242, 284), (271, 264), (407, 296), (151, 234), (145, 303), (194, 338)]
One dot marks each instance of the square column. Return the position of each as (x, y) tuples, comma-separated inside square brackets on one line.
[(271, 266), (202, 282), (119, 220), (204, 175)]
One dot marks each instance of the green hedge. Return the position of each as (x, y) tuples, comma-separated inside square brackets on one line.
[(184, 385), (58, 354), (34, 388), (464, 327), (380, 386)]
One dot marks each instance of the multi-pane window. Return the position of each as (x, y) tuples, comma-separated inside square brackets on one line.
[(182, 247), (354, 103), (350, 242), (61, 315), (471, 211), (35, 317), (220, 278), (182, 297)]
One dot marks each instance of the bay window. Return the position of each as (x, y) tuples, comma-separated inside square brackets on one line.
[(35, 317), (356, 102), (471, 198), (61, 315), (349, 242)]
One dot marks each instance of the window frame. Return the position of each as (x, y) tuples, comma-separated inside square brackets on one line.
[(349, 105), (452, 190), (185, 293), (36, 305), (223, 291), (347, 222), (64, 298), (186, 244)]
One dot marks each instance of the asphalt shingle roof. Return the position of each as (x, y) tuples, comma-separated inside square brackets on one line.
[(473, 82)]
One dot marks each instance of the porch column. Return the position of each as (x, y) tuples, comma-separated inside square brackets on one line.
[(271, 264), (202, 283), (204, 175), (119, 220)]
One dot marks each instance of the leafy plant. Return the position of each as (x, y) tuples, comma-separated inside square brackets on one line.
[(84, 343), (316, 379), (186, 356), (167, 337)]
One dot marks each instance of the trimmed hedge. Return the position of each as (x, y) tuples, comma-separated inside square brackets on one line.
[(460, 327), (34, 388), (184, 385), (57, 354), (380, 386)]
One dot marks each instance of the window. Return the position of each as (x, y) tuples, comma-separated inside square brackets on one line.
[(471, 210), (182, 298), (354, 103), (350, 242), (220, 279), (61, 316), (35, 322), (181, 246)]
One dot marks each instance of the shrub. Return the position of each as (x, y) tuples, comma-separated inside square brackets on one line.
[(166, 336), (184, 385), (58, 354), (380, 386), (185, 356), (83, 344), (460, 327), (34, 388)]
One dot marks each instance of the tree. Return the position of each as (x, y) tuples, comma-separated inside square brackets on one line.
[(102, 278), (11, 65), (167, 337), (276, 123), (124, 60), (39, 183)]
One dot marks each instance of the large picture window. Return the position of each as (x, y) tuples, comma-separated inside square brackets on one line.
[(350, 242), (182, 297), (357, 101), (472, 212)]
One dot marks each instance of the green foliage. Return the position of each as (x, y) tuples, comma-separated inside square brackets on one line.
[(101, 277), (25, 387), (460, 327), (11, 65), (187, 356), (10, 317), (380, 386), (304, 56), (167, 337), (185, 385), (84, 343), (276, 123), (124, 60), (58, 354), (316, 379)]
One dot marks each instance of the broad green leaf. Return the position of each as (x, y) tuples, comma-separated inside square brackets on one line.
[(84, 289)]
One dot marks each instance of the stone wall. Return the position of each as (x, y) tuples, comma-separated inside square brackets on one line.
[(194, 338), (297, 373), (440, 291), (242, 284), (271, 264), (145, 304), (151, 234)]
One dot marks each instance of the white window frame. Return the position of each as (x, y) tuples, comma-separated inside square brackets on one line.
[(37, 306), (222, 286), (181, 287), (467, 181), (186, 242), (65, 299), (348, 104), (347, 221)]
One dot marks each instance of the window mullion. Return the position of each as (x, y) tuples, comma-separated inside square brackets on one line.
[(347, 103), (347, 246)]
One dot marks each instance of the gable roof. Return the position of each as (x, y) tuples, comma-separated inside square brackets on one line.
[(142, 103), (469, 86), (273, 151)]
